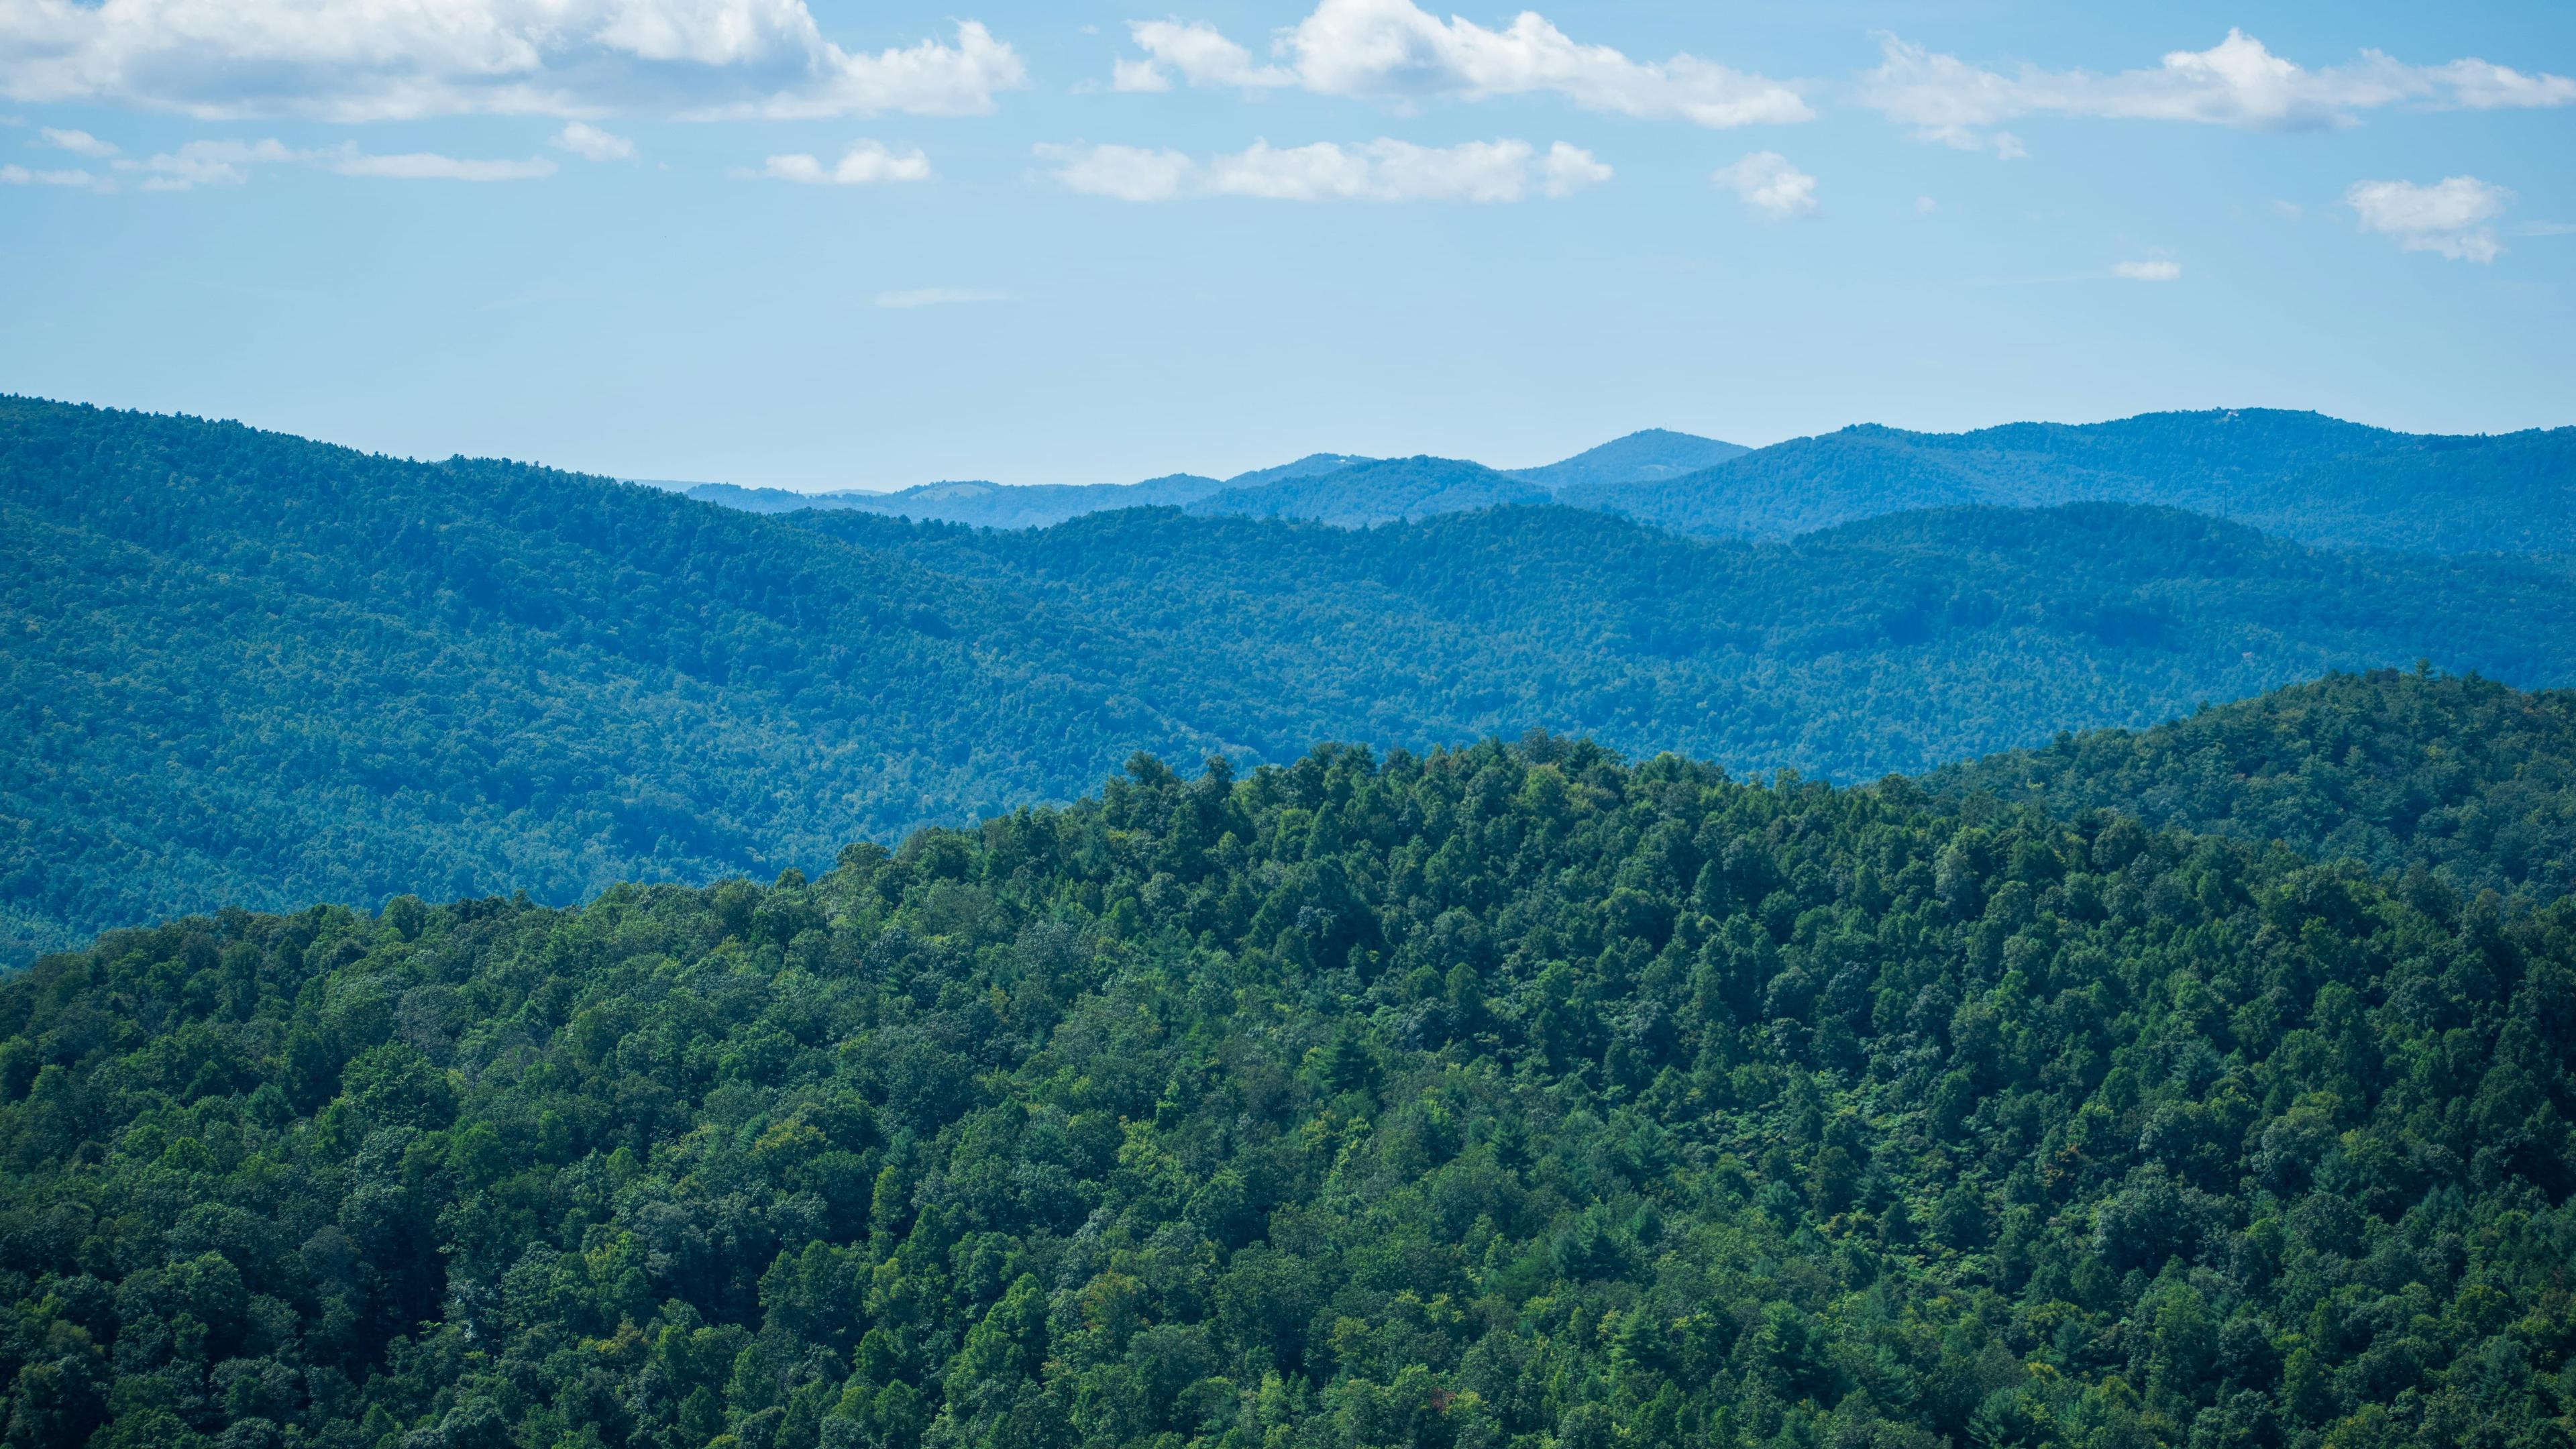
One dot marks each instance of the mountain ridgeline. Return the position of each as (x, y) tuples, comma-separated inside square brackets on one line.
[(241, 668), (1500, 1097), (2296, 475)]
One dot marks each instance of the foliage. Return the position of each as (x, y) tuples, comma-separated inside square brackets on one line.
[(238, 667), (2298, 475), (1499, 1099), (2456, 774)]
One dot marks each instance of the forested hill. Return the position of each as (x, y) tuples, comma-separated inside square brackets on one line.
[(2473, 780), (1374, 492), (243, 668), (2298, 475), (1507, 1097)]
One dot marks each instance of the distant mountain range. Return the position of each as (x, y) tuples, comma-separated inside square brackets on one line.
[(241, 666), (2299, 475)]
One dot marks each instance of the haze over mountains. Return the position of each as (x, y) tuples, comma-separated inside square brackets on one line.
[(241, 666), (2299, 475)]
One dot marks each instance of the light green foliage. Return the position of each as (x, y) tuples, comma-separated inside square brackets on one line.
[(1498, 1099)]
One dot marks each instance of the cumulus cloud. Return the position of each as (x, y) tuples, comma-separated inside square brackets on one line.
[(231, 163), (79, 143), (1769, 186), (2237, 82), (1380, 170), (2154, 269), (2452, 217), (866, 163), (590, 143), (1393, 50), (360, 60), (936, 297), (1196, 49)]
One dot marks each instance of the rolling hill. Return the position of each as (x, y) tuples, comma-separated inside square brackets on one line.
[(2468, 778), (2299, 475), (1501, 1096), (1651, 456), (1384, 491), (236, 666)]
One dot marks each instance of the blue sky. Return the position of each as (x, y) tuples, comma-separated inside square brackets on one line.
[(822, 245)]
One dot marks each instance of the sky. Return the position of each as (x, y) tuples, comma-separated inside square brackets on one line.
[(809, 244)]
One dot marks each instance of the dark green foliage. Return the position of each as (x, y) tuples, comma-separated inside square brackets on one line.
[(1504, 1097), (237, 667), (2455, 775), (1377, 491), (2299, 475)]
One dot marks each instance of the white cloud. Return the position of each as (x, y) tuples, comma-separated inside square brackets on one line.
[(1393, 50), (1196, 49), (1769, 185), (1569, 169), (590, 143), (1124, 173), (231, 163), (1925, 206), (2450, 218), (430, 166), (79, 143), (21, 176), (936, 297), (2156, 269), (365, 60), (2237, 82), (865, 164), (1380, 170)]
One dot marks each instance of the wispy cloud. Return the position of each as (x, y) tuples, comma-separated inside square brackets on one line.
[(1380, 170), (866, 163), (14, 175), (350, 60), (2153, 269), (1394, 50), (1769, 186), (937, 297), (232, 163), (2237, 82), (79, 143), (2452, 217), (590, 143)]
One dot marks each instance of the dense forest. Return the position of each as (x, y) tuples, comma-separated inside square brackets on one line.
[(1501, 1098), (2297, 475), (240, 668), (2470, 778)]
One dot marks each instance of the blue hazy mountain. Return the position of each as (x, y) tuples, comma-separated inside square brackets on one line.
[(2299, 475), (1655, 455), (1382, 491)]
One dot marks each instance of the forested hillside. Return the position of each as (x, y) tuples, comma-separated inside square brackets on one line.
[(2473, 780), (2298, 475), (1649, 456), (1382, 491), (1498, 1099), (243, 668)]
